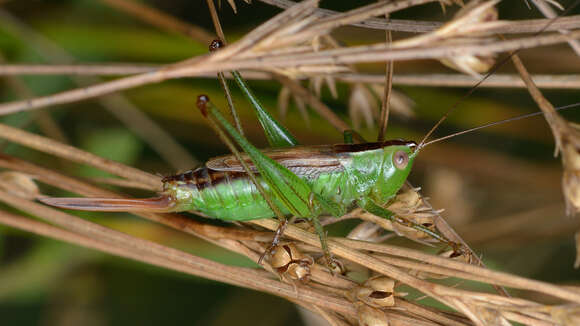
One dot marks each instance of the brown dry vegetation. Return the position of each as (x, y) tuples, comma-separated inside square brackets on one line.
[(388, 276)]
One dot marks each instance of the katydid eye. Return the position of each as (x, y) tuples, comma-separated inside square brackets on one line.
[(400, 159)]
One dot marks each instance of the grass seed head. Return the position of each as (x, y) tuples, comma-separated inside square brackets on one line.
[(19, 184)]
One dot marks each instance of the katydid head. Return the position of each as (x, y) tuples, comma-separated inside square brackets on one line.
[(397, 161)]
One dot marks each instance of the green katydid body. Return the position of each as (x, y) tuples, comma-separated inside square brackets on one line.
[(303, 181), (341, 174)]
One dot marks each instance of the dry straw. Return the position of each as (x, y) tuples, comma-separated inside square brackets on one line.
[(283, 46)]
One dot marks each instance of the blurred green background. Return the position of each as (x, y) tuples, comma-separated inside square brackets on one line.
[(500, 187)]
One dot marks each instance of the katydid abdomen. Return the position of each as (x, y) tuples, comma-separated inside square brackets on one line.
[(341, 174)]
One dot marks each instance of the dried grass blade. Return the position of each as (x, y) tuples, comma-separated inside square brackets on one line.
[(211, 270), (50, 146), (417, 26)]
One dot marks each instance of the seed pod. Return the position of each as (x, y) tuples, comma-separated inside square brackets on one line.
[(289, 261), (376, 292), (299, 271), (283, 255), (336, 266)]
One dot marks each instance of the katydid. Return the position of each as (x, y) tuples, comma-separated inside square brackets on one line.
[(305, 181)]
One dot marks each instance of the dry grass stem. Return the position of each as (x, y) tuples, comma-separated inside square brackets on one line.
[(547, 11), (386, 99), (111, 69), (174, 260), (560, 81), (50, 146), (417, 26), (566, 138), (291, 47)]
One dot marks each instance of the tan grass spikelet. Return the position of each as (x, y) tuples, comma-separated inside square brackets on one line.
[(284, 97), (232, 4), (473, 17), (362, 106), (316, 83), (469, 23), (470, 64), (399, 103), (365, 99), (19, 184)]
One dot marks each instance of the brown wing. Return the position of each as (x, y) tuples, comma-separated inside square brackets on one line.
[(302, 160)]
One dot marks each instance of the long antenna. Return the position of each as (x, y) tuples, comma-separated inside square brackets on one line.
[(520, 117), (492, 71)]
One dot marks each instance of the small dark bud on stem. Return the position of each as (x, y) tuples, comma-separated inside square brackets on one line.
[(202, 101), (216, 45)]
